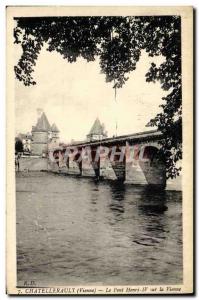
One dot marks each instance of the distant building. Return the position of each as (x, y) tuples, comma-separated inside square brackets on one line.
[(26, 141), (97, 131)]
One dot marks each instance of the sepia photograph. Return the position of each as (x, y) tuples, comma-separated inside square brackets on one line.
[(100, 150)]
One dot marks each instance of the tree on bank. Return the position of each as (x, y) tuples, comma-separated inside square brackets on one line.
[(18, 146), (118, 42)]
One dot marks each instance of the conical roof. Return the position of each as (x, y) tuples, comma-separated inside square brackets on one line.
[(42, 124), (97, 128), (54, 128)]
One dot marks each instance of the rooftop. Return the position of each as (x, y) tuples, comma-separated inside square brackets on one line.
[(97, 128), (42, 124), (54, 128)]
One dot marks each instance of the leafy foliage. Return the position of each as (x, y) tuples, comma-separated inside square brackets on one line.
[(118, 42), (18, 146)]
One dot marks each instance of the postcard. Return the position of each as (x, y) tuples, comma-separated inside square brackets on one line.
[(99, 150)]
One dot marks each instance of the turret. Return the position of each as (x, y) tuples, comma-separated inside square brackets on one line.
[(40, 136), (55, 134), (97, 131)]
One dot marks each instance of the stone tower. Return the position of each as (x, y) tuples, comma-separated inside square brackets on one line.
[(40, 134), (55, 134)]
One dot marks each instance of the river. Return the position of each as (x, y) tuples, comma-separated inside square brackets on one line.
[(78, 231)]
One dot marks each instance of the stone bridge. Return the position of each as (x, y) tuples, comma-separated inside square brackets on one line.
[(135, 154)]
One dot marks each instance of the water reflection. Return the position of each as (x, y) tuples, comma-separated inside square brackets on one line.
[(151, 210), (118, 190), (152, 202), (116, 204)]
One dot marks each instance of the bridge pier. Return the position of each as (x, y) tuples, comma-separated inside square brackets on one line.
[(134, 173), (120, 170), (77, 158), (79, 164), (95, 161), (67, 162), (117, 158), (53, 158), (96, 168), (153, 166)]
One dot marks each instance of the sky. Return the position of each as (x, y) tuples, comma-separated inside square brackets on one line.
[(74, 95)]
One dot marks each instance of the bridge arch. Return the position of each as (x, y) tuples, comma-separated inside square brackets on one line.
[(149, 152)]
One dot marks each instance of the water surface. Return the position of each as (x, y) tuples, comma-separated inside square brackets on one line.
[(79, 231)]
